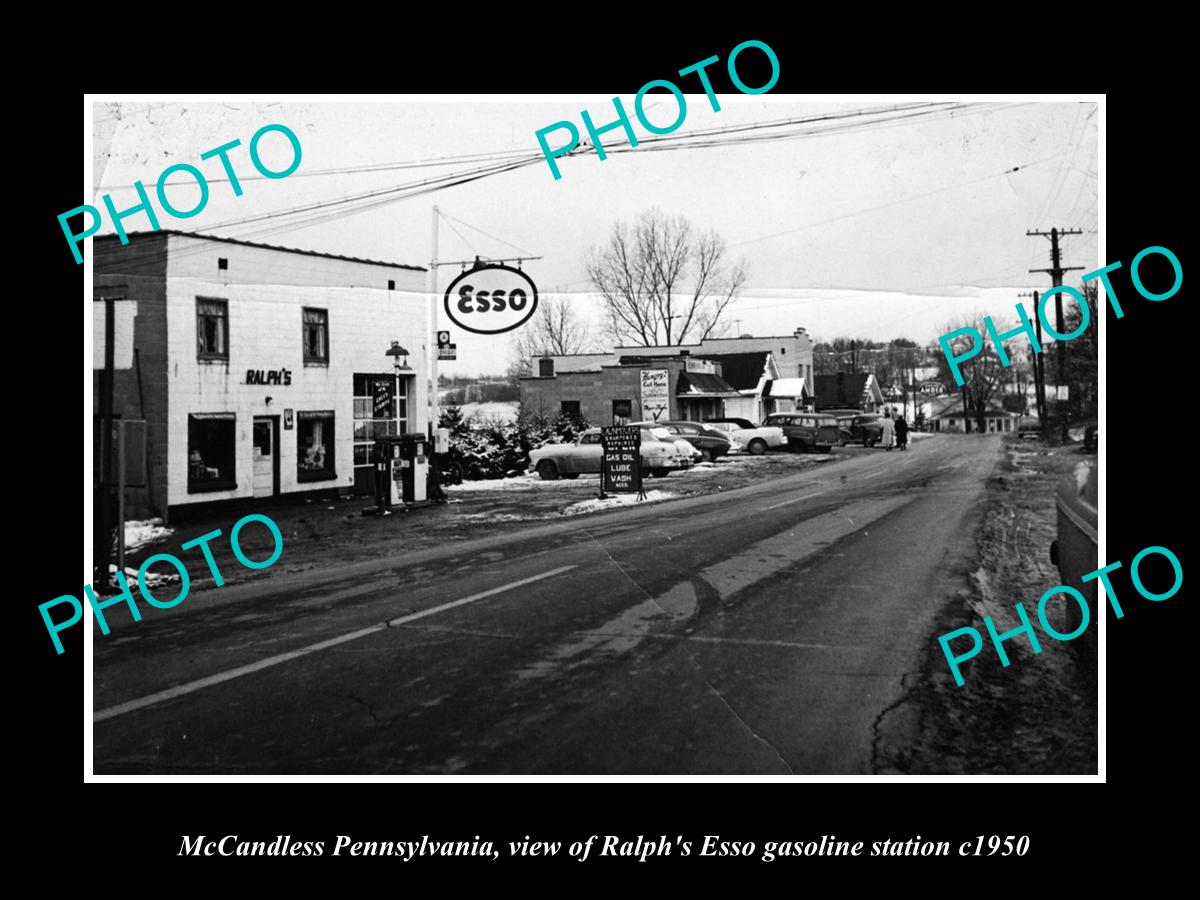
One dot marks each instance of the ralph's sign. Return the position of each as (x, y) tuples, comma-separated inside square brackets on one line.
[(491, 299), (269, 376)]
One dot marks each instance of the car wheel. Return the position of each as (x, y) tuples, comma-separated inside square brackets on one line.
[(572, 475), (841, 443), (705, 455), (453, 473), (758, 447), (547, 470), (660, 473), (867, 442)]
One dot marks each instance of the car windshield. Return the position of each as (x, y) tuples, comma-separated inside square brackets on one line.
[(661, 434)]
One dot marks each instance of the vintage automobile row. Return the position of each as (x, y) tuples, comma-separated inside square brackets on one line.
[(670, 446)]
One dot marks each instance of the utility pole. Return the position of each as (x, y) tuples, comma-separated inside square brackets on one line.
[(1039, 368), (431, 345), (1056, 273), (103, 518), (853, 356)]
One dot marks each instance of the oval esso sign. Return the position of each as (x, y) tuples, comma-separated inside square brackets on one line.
[(491, 299)]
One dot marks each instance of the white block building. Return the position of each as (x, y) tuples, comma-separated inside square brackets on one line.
[(262, 371)]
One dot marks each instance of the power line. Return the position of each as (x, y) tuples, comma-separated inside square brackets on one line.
[(486, 234)]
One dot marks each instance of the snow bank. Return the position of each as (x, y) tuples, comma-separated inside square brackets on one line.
[(615, 500), (138, 534), (521, 482)]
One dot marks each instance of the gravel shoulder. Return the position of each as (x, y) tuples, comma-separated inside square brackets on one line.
[(1037, 716)]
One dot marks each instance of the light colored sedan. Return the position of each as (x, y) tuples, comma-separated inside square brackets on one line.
[(685, 447), (755, 439), (552, 461)]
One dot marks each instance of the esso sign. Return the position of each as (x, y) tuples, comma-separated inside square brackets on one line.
[(491, 299)]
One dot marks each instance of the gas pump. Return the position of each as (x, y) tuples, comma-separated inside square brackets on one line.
[(401, 471)]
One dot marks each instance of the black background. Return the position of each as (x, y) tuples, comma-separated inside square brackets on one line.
[(126, 829)]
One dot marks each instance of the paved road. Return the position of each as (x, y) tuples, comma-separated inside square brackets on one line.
[(763, 630)]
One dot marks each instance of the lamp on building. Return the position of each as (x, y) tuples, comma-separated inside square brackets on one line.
[(399, 358)]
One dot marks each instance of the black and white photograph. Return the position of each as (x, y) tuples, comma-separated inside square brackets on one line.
[(680, 434)]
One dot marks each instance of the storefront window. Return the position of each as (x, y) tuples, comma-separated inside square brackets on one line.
[(211, 443), (380, 408), (314, 446)]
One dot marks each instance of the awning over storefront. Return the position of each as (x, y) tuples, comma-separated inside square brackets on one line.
[(795, 388), (702, 384)]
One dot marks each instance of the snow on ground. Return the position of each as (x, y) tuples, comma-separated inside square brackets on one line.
[(919, 435), (615, 500), (520, 483), (491, 412), (140, 533)]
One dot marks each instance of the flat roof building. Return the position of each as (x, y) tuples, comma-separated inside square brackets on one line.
[(260, 371)]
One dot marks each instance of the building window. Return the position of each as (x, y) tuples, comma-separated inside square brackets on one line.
[(212, 328), (212, 438), (380, 408), (545, 368), (622, 411), (314, 446), (570, 409), (316, 335)]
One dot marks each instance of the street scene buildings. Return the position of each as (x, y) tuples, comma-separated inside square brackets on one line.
[(810, 502)]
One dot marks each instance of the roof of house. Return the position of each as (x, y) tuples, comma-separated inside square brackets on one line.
[(701, 384), (787, 387), (132, 235), (741, 370), (845, 389)]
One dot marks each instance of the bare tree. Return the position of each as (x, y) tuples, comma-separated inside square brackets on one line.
[(982, 374), (662, 283), (554, 330)]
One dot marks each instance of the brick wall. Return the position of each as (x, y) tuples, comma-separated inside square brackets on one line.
[(595, 391)]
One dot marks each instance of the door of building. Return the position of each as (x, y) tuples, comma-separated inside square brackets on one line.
[(266, 456)]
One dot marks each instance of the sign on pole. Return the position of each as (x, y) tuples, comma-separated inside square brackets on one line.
[(932, 387), (621, 468), (446, 350), (655, 394)]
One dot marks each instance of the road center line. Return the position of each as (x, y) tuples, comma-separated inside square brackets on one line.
[(794, 500), (179, 690)]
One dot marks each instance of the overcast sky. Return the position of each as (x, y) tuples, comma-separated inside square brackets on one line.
[(880, 232)]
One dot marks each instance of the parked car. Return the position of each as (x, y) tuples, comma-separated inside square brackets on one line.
[(1029, 426), (551, 461), (1091, 439), (756, 439), (862, 428), (711, 443), (805, 430), (685, 448), (1075, 550)]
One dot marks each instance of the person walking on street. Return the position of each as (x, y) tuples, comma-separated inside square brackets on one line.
[(901, 431), (888, 435)]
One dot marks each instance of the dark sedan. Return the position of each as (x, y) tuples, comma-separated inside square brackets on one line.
[(862, 429), (805, 430), (711, 443)]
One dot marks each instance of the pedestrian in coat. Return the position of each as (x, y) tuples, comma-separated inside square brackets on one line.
[(888, 437), (901, 432)]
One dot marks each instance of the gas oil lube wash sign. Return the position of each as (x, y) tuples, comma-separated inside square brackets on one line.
[(491, 299)]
